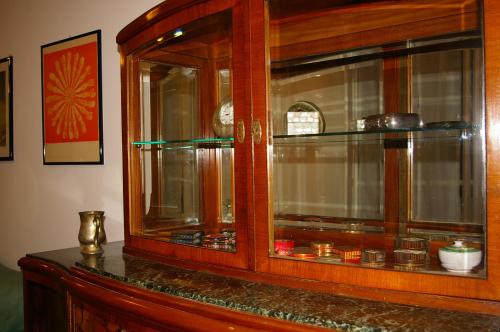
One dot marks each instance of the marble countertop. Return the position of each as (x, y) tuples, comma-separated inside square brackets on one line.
[(295, 305)]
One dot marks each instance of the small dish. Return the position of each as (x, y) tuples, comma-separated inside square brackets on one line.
[(414, 243), (323, 249), (373, 257), (410, 257), (303, 253), (353, 227), (447, 124), (459, 258), (283, 247), (393, 121)]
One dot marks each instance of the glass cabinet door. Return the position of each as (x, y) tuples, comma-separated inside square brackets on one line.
[(184, 137), (377, 132)]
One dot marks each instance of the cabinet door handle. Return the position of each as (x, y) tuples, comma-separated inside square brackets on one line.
[(240, 131), (256, 131)]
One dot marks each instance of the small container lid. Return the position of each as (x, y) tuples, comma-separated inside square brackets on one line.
[(322, 245), (283, 244), (304, 253), (459, 246)]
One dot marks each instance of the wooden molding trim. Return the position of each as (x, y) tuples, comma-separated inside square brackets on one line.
[(42, 272), (152, 16)]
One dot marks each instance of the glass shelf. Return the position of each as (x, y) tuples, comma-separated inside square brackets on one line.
[(460, 132), (389, 265), (344, 227), (197, 143)]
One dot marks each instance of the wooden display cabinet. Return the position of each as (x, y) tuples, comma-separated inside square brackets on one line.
[(185, 175), (199, 197)]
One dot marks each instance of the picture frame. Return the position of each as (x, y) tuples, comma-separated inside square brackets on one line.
[(72, 100), (6, 109)]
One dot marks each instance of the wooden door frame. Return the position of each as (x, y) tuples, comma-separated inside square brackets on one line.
[(442, 285)]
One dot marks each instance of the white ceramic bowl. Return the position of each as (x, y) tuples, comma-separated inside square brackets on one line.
[(458, 258)]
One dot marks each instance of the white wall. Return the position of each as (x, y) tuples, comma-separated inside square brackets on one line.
[(39, 203)]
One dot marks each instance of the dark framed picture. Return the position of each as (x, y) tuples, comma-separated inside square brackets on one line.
[(6, 110), (72, 102)]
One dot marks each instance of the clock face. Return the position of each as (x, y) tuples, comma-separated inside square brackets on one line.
[(223, 119), (226, 113)]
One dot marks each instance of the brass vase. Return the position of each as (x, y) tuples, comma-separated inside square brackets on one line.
[(91, 234)]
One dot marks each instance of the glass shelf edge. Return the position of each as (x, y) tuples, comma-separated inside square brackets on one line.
[(196, 140), (335, 133), (380, 131)]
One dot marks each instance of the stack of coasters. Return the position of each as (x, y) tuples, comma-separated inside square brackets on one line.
[(190, 237), (225, 240)]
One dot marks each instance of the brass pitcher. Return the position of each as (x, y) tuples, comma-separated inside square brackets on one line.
[(91, 234)]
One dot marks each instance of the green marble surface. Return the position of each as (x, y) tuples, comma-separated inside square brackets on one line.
[(295, 305)]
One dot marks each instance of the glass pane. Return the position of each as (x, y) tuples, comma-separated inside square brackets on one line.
[(187, 171), (378, 134), (170, 175), (340, 95), (448, 175)]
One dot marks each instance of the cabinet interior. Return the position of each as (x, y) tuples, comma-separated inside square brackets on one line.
[(375, 133), (186, 170), (357, 185)]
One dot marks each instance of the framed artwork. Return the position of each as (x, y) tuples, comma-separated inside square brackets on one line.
[(6, 110), (72, 102)]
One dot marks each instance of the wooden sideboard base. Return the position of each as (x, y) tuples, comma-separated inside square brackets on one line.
[(65, 291), (108, 304)]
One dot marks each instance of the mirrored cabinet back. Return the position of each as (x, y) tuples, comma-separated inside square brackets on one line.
[(349, 143)]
